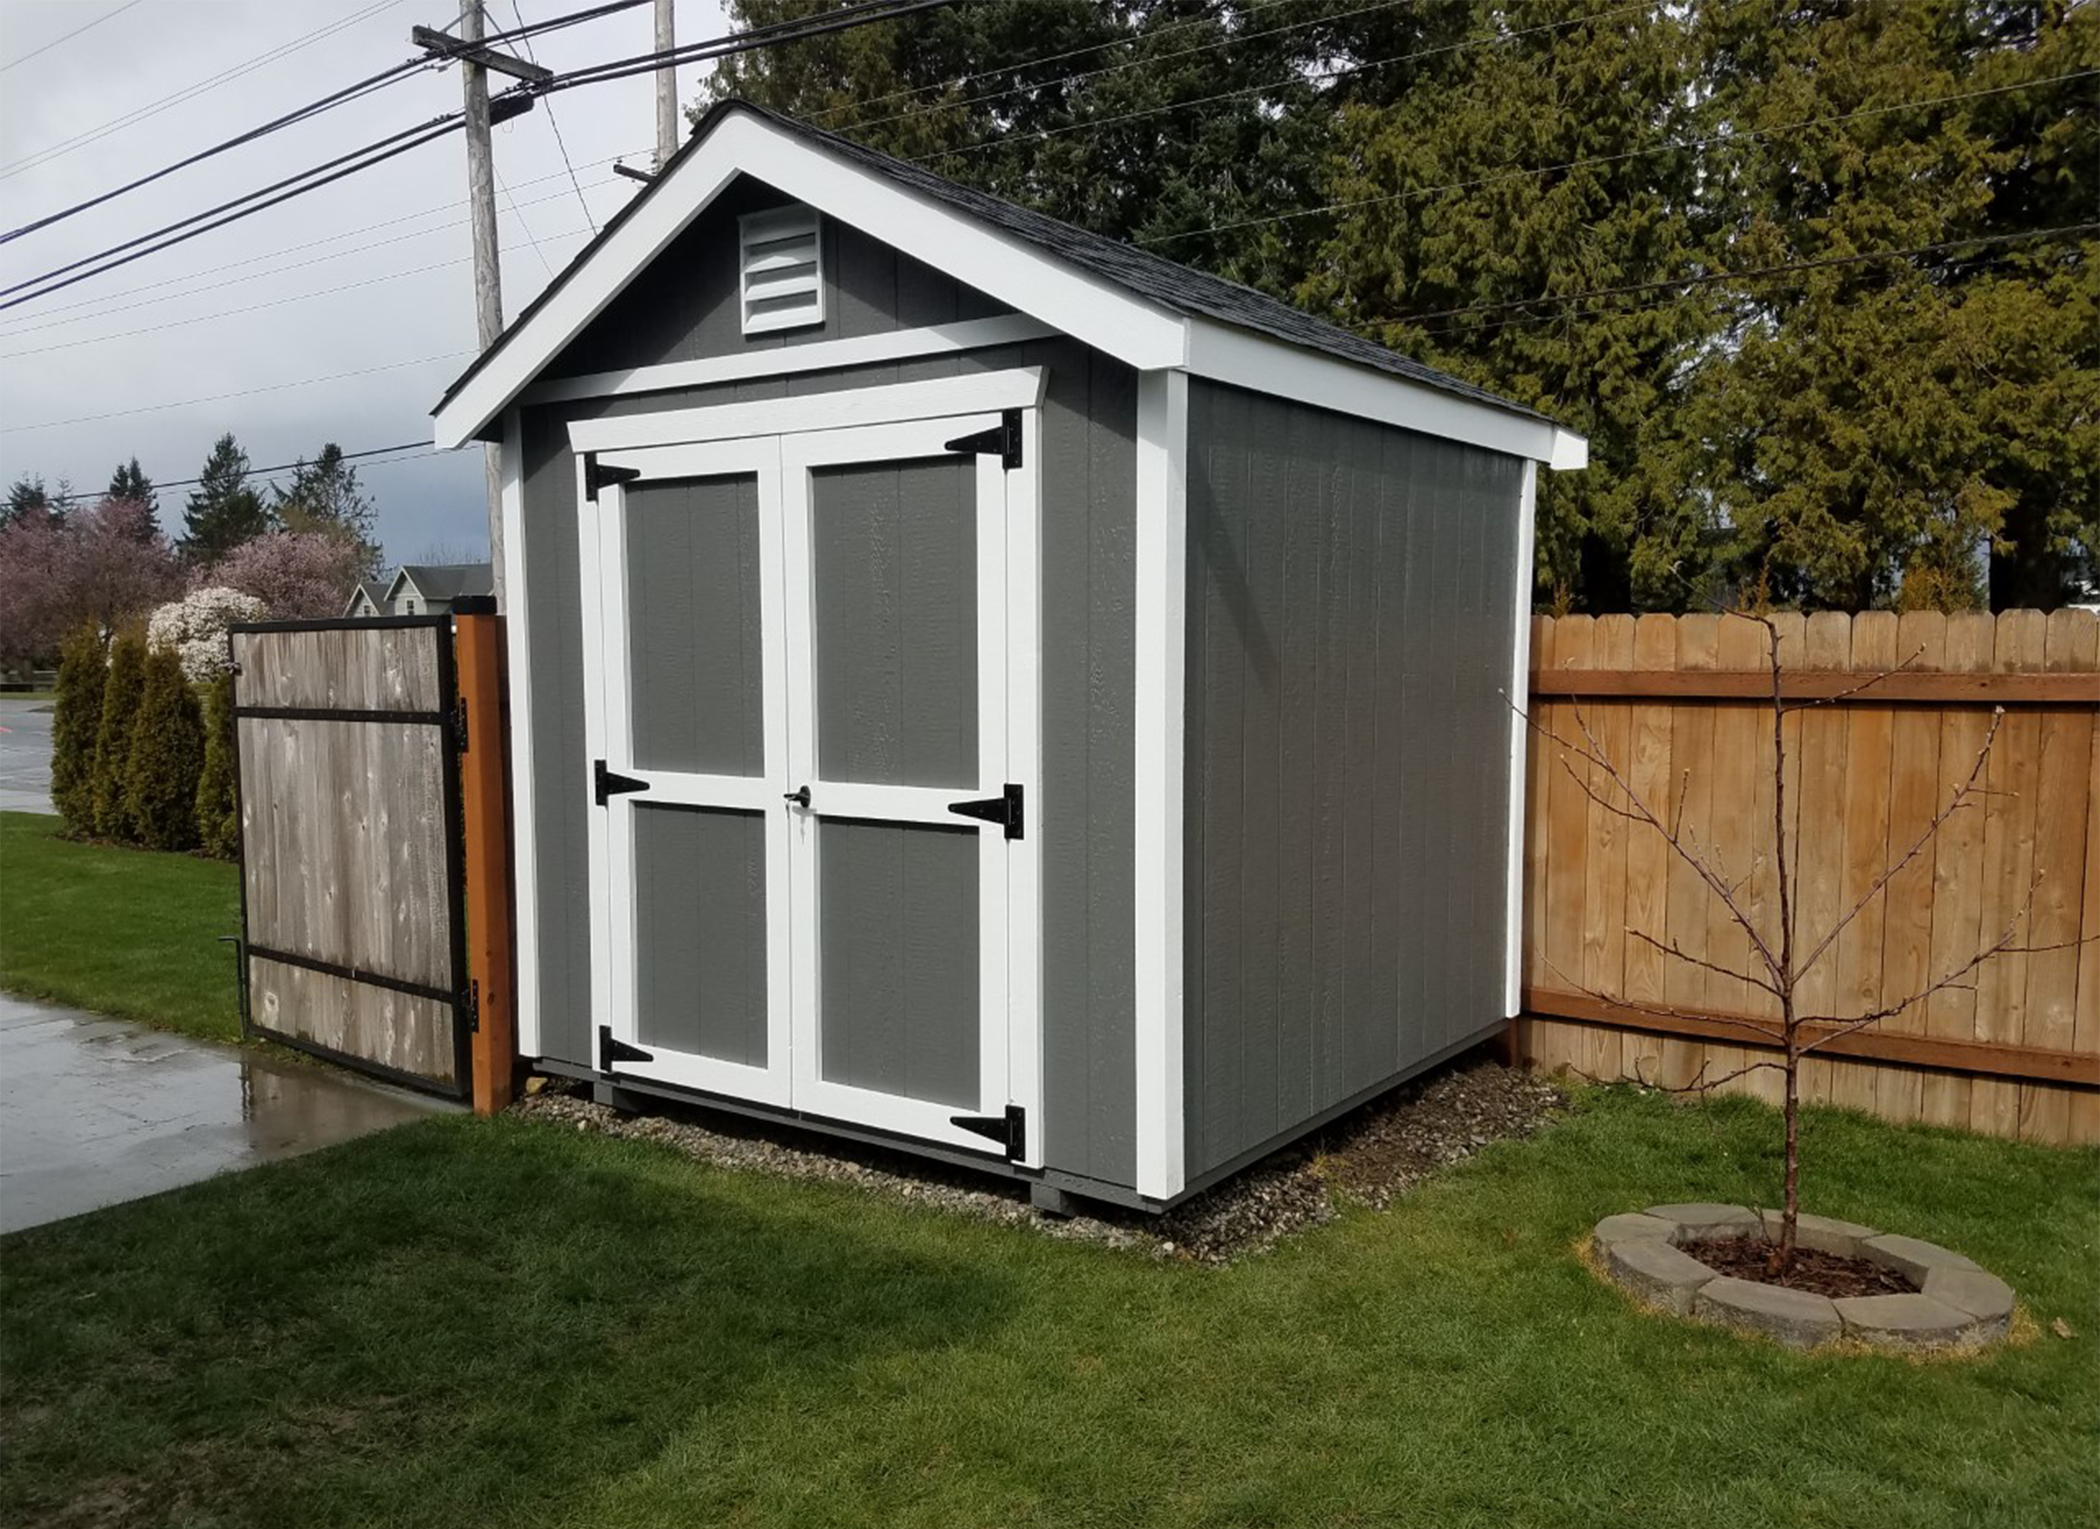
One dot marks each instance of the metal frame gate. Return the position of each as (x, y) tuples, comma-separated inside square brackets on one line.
[(353, 891)]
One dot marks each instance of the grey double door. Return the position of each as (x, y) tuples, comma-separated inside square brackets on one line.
[(806, 890)]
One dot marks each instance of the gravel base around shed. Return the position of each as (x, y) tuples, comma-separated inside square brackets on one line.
[(1371, 1155)]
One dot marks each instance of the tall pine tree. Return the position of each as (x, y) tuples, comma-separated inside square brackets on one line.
[(324, 495), (131, 483), (223, 510)]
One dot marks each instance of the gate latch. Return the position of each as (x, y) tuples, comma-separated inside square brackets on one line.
[(1003, 809), (1004, 439), (1009, 1130), (605, 784)]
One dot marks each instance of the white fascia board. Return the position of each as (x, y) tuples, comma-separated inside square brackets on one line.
[(818, 356), (1263, 364), (1099, 313), (393, 588), (1161, 680), (1571, 452), (974, 393)]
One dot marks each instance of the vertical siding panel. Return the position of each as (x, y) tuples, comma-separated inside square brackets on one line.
[(1420, 932), (1379, 1026), (1111, 758), (1363, 1010), (1308, 450), (1328, 867)]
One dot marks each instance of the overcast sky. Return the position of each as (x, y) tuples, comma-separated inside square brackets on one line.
[(370, 276)]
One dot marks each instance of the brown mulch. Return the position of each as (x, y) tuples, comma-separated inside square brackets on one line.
[(1371, 1156), (1817, 1273)]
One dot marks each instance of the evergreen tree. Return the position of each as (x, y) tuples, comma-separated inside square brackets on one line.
[(223, 510), (121, 691), (27, 496), (130, 482), (325, 496), (76, 721), (218, 810), (166, 762)]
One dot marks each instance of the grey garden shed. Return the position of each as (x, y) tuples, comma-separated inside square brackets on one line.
[(982, 688)]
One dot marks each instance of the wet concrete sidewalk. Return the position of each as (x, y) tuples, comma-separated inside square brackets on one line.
[(94, 1112)]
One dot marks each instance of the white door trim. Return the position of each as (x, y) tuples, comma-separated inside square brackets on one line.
[(849, 408), (1519, 739), (1010, 1027), (1161, 699), (616, 822)]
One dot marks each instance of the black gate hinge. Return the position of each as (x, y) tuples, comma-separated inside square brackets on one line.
[(1009, 1130), (469, 1005), (606, 784), (1003, 438), (596, 475), (611, 1051), (459, 723), (1004, 809)]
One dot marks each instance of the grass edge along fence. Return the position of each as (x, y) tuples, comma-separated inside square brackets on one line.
[(1674, 699)]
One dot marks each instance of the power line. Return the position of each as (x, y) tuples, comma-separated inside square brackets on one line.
[(190, 92), (371, 154), (283, 467), (1752, 273), (1590, 162), (275, 387), (1306, 78), (555, 124), (85, 27)]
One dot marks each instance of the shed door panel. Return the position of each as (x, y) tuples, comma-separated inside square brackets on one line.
[(700, 932)]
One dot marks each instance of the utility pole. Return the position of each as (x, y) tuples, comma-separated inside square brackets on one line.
[(475, 61), (666, 88)]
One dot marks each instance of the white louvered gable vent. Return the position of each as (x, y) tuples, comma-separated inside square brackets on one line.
[(783, 269)]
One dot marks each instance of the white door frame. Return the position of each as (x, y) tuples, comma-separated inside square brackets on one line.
[(880, 423), (608, 725)]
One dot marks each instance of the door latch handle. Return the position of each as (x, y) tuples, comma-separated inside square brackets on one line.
[(799, 798)]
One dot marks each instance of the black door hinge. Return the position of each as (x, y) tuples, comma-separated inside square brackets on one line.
[(605, 784), (611, 1051), (597, 475), (1009, 1130), (469, 1005), (1003, 438), (1003, 809), (459, 723)]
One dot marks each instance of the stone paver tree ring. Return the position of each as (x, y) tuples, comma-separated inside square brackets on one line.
[(1921, 1296)]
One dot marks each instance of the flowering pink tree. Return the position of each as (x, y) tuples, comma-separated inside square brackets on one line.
[(298, 575), (103, 564)]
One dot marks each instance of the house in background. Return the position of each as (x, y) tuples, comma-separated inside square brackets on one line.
[(421, 589)]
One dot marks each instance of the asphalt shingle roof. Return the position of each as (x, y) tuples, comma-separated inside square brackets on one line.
[(1177, 287)]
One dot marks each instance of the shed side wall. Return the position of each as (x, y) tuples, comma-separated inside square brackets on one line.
[(1351, 609), (1087, 813)]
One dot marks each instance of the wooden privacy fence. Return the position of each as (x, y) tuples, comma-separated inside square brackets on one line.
[(1674, 701)]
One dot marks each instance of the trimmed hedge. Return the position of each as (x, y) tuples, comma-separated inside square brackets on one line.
[(83, 666), (121, 692), (167, 757), (218, 812)]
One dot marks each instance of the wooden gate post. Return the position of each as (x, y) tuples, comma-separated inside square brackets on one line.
[(478, 640)]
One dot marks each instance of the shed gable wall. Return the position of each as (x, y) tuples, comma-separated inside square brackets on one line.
[(1088, 684), (1352, 592), (685, 306)]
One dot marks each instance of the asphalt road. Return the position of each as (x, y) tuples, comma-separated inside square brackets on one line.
[(25, 756)]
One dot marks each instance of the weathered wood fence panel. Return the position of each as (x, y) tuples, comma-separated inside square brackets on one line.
[(1674, 701), (350, 843)]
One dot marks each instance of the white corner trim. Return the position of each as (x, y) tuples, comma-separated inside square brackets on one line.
[(1571, 452), (1161, 642), (973, 393), (1262, 364), (524, 785), (1519, 739), (789, 360), (1098, 312)]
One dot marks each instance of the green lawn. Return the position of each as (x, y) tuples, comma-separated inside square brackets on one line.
[(120, 931), (467, 1322)]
